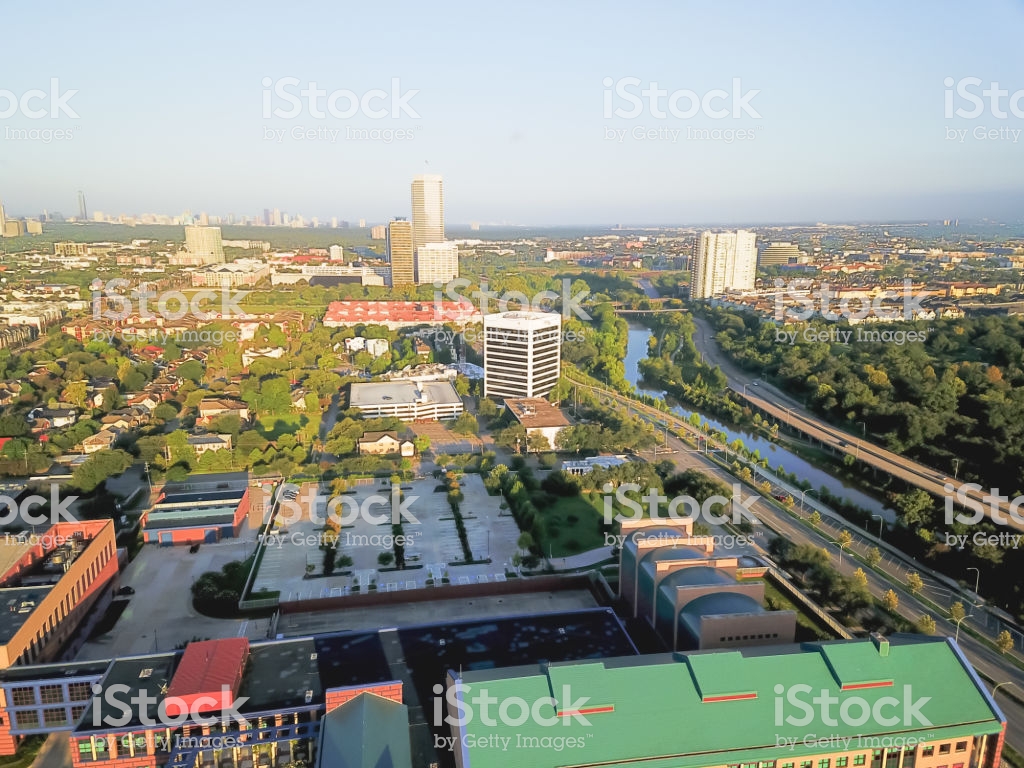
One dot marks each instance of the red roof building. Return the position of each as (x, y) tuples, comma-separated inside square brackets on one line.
[(208, 677), (399, 314)]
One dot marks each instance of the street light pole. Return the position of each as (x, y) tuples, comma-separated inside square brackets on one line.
[(881, 522), (956, 468), (977, 582), (1000, 685), (956, 638)]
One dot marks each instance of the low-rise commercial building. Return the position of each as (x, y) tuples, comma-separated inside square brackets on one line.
[(407, 400)]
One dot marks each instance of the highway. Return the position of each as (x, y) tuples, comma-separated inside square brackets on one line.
[(786, 410), (776, 522)]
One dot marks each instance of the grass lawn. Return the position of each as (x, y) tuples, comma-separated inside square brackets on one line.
[(272, 427), (572, 525)]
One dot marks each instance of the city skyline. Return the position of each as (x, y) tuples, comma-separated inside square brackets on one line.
[(847, 129)]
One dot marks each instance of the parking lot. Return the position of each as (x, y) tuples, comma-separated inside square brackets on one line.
[(431, 542), (442, 440)]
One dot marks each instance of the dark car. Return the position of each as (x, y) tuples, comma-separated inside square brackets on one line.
[(126, 591), (193, 549)]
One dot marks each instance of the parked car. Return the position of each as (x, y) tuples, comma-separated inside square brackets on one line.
[(193, 549), (126, 590)]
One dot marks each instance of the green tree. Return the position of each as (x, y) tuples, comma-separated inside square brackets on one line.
[(957, 612), (914, 582), (926, 625), (891, 601), (844, 539), (385, 559), (815, 519), (860, 579), (98, 467), (1004, 641), (873, 557)]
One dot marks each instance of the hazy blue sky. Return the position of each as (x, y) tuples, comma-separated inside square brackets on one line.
[(511, 109)]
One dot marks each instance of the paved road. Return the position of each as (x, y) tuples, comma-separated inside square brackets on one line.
[(786, 409)]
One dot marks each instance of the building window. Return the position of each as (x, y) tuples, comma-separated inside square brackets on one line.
[(859, 759), (841, 762), (961, 746), (787, 765), (55, 716), (958, 765), (79, 691), (23, 696), (77, 712), (51, 694), (27, 719), (824, 763), (806, 764), (927, 751), (943, 749)]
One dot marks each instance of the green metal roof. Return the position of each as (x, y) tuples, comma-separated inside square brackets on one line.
[(715, 708)]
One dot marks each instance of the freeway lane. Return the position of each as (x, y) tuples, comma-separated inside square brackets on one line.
[(785, 409)]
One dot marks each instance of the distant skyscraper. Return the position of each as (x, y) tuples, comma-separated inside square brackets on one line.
[(779, 253), (437, 262), (3, 221), (83, 211), (378, 232), (205, 243), (334, 222), (723, 261), (267, 217), (427, 210), (400, 252), (277, 220)]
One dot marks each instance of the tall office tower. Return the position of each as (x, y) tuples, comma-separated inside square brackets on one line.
[(276, 219), (779, 253), (267, 220), (3, 221), (83, 212), (362, 223), (437, 262), (205, 243), (400, 252), (334, 222), (427, 210), (522, 353), (723, 261)]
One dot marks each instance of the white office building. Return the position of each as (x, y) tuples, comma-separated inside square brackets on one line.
[(437, 262), (522, 353), (723, 261), (406, 400)]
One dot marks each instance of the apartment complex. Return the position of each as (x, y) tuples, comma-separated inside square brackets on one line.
[(437, 262), (522, 353), (779, 253), (723, 261), (427, 210), (736, 709), (49, 582), (399, 245)]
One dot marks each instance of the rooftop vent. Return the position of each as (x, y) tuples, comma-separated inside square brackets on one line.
[(881, 643)]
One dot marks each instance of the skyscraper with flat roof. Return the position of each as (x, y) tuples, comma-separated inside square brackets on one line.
[(427, 210), (522, 353), (723, 261), (205, 244), (400, 252)]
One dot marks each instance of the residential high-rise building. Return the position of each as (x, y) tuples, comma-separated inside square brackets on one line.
[(778, 253), (400, 252), (205, 244), (267, 217), (437, 262), (522, 353), (337, 253), (427, 210), (83, 211), (378, 232), (723, 261), (3, 221)]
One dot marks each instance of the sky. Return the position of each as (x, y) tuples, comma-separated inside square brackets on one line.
[(508, 102)]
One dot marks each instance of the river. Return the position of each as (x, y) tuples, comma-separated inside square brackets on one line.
[(777, 455)]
